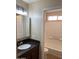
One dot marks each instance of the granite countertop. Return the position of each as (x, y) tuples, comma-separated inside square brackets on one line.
[(33, 43)]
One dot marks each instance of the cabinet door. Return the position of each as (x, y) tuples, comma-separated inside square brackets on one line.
[(28, 57), (35, 54)]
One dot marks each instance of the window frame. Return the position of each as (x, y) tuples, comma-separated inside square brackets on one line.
[(55, 14)]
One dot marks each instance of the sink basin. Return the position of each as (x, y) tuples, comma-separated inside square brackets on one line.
[(24, 46)]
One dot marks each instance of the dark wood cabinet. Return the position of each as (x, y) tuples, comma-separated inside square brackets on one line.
[(34, 53)]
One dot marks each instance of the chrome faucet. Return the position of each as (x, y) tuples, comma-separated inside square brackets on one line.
[(20, 43)]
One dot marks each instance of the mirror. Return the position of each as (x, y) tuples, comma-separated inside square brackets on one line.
[(22, 26)]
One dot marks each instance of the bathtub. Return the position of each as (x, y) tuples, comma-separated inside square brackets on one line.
[(54, 47)]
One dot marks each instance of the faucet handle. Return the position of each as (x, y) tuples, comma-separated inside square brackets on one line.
[(20, 43)]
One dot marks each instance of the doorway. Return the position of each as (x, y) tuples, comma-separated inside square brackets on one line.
[(53, 34)]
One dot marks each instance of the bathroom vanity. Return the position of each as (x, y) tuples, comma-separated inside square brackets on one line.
[(30, 53)]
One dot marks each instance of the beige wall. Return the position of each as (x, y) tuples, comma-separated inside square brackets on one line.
[(36, 13), (25, 20)]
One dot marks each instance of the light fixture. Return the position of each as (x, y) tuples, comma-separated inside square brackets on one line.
[(20, 10)]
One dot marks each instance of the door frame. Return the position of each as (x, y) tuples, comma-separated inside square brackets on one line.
[(43, 28)]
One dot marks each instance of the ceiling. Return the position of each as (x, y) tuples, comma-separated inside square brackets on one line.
[(30, 1)]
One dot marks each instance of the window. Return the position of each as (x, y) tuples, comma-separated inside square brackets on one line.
[(55, 15), (59, 17), (50, 18), (20, 10)]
